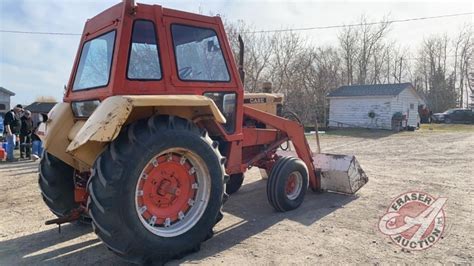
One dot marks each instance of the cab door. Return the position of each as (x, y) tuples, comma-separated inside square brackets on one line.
[(202, 64)]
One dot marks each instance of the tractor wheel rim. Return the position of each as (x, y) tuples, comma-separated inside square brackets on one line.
[(172, 192), (294, 185)]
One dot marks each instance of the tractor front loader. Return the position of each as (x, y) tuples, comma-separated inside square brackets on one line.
[(154, 128)]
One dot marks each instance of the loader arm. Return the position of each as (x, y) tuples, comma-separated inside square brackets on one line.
[(295, 133)]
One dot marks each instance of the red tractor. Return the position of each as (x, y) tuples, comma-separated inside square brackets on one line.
[(152, 127)]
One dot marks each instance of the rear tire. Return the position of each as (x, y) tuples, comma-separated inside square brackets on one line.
[(234, 183), (57, 185), (122, 206), (287, 184)]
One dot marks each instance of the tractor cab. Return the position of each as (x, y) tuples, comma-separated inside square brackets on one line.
[(150, 50)]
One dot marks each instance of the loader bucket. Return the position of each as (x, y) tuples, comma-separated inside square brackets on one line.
[(339, 173)]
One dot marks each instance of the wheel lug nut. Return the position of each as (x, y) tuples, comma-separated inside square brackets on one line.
[(181, 215)]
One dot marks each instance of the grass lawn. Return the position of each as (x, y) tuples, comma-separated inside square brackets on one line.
[(358, 132), (377, 133), (447, 127)]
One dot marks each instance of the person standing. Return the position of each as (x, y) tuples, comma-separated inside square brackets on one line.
[(36, 150), (12, 128), (25, 135)]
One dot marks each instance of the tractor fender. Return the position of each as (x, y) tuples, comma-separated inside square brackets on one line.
[(114, 112)]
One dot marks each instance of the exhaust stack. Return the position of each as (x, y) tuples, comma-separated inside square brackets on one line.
[(129, 6), (241, 59)]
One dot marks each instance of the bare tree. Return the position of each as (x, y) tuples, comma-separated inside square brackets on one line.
[(306, 74), (328, 76), (464, 49), (348, 42), (364, 51), (288, 46), (258, 53), (370, 36), (438, 85)]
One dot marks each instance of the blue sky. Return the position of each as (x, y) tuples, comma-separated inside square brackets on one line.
[(39, 65)]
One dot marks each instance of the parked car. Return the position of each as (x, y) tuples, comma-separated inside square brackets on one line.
[(456, 115)]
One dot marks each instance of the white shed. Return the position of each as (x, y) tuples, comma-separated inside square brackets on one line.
[(373, 106)]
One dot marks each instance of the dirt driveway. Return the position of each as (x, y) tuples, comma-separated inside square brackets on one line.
[(328, 228)]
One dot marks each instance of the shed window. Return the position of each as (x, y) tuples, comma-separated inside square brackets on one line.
[(3, 106), (412, 106)]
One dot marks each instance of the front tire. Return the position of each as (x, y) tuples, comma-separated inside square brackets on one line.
[(287, 184), (234, 183), (156, 191)]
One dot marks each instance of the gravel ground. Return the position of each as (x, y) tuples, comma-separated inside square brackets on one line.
[(328, 228)]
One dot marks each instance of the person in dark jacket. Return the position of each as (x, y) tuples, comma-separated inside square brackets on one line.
[(25, 135), (12, 129)]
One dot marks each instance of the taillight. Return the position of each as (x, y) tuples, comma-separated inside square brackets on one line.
[(84, 108)]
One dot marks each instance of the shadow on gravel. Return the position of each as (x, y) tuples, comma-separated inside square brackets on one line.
[(27, 171), (38, 248), (251, 205)]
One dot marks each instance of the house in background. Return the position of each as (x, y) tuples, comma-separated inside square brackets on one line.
[(373, 106), (38, 108), (5, 96)]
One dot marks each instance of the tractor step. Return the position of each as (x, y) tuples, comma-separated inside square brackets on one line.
[(338, 173)]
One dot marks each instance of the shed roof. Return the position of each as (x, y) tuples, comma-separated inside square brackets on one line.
[(39, 107), (370, 90), (2, 89)]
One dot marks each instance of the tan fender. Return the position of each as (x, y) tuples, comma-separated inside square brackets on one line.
[(107, 120), (54, 132)]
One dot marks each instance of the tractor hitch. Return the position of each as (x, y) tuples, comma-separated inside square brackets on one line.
[(74, 215)]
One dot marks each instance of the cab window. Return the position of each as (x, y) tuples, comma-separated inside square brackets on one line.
[(198, 54), (144, 61), (95, 62)]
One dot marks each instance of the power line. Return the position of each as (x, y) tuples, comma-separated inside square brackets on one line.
[(272, 31), (41, 32), (362, 24)]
